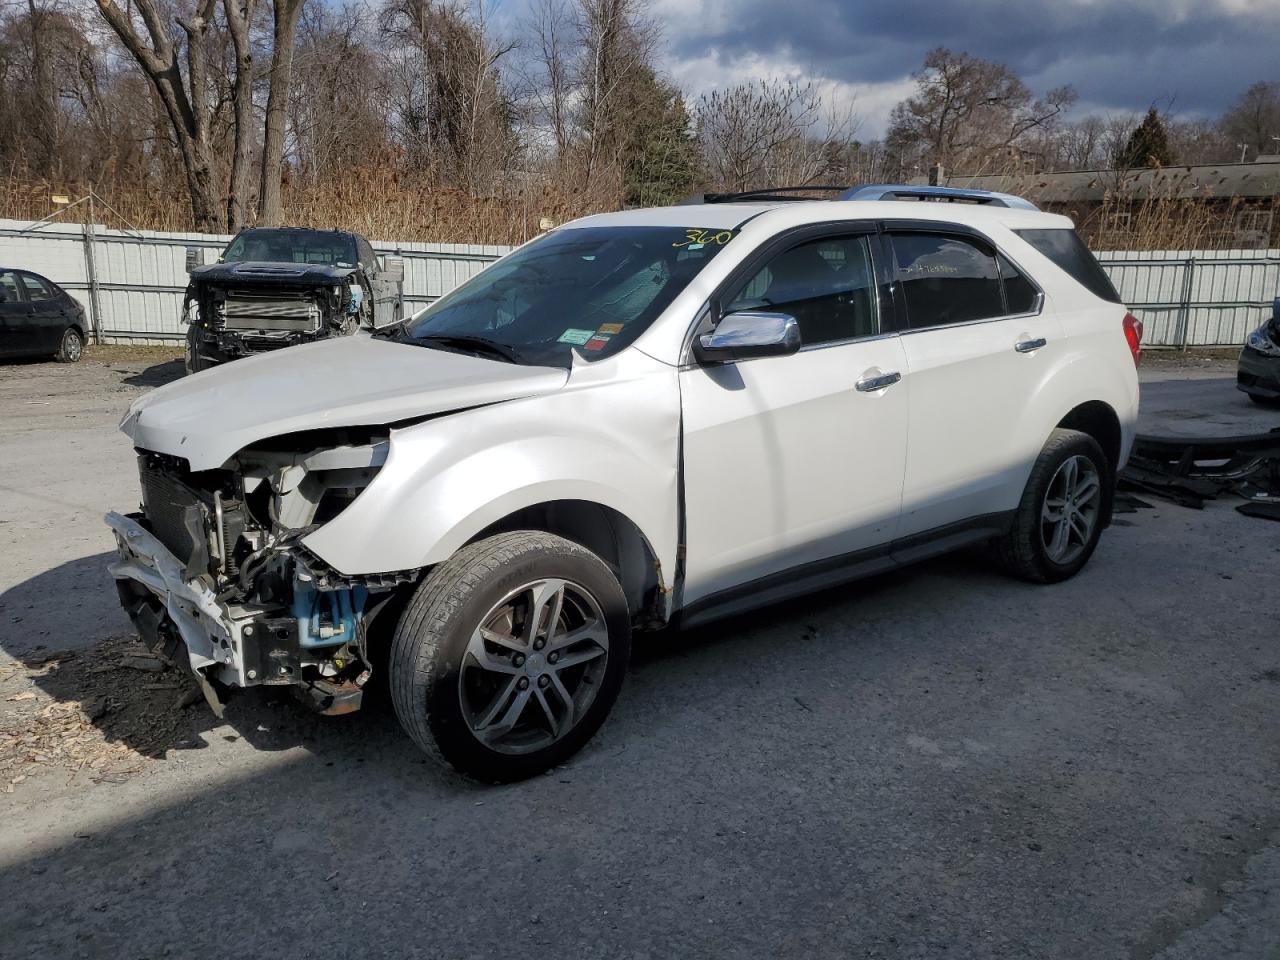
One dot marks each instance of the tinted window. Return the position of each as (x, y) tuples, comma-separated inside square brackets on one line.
[(325, 247), (1019, 292), (36, 289), (946, 279), (9, 286), (585, 290), (1067, 250), (828, 285)]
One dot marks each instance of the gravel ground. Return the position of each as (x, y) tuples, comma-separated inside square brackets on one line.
[(934, 763)]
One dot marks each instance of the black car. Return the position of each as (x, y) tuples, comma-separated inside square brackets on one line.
[(39, 318), (1259, 372), (275, 287)]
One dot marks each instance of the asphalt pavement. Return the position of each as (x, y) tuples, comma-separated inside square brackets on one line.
[(935, 763)]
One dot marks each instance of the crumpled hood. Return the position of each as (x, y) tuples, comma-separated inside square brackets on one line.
[(255, 272), (347, 381)]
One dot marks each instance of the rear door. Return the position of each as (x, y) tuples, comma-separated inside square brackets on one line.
[(977, 342), (48, 317), (16, 322)]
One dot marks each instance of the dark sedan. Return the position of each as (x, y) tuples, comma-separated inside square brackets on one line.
[(1259, 372), (39, 318)]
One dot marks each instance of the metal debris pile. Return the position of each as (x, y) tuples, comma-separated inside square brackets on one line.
[(99, 712), (1192, 471)]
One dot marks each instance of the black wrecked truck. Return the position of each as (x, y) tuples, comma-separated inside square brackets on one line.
[(279, 286)]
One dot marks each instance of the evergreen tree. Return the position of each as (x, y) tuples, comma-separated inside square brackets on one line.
[(1148, 145), (659, 155)]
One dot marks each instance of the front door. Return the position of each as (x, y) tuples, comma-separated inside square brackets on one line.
[(794, 459), (977, 342), (17, 326), (48, 314)]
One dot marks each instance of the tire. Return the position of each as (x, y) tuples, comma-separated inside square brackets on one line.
[(448, 682), (1034, 548), (194, 362), (1271, 403), (71, 349)]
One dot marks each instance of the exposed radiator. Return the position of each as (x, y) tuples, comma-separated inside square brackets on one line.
[(292, 313)]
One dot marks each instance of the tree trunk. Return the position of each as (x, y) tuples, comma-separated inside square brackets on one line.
[(187, 115), (238, 19), (286, 14)]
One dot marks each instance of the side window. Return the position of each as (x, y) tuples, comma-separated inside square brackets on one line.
[(9, 286), (1019, 293), (36, 289), (946, 279), (828, 285), (365, 252)]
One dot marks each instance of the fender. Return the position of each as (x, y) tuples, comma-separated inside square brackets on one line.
[(445, 480), (1098, 367)]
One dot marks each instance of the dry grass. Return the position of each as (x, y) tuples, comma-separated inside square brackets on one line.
[(380, 202)]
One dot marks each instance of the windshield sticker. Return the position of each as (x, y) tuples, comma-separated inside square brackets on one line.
[(696, 239), (598, 342), (610, 328), (576, 336)]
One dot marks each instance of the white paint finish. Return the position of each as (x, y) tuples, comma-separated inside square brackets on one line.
[(970, 451), (207, 417), (609, 437), (786, 462)]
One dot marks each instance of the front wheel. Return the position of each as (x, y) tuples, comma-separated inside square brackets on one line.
[(1063, 508), (510, 655)]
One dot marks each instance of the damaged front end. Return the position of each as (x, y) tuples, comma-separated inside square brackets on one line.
[(214, 576), (239, 309)]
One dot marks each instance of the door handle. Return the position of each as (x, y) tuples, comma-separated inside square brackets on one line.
[(871, 384), (1027, 346)]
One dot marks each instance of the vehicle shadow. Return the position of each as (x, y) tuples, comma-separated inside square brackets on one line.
[(77, 652), (91, 664), (157, 375)]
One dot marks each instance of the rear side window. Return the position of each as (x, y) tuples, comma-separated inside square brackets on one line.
[(1065, 248), (36, 289), (946, 279), (1020, 294)]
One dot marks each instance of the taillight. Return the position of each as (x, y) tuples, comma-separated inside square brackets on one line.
[(1133, 334)]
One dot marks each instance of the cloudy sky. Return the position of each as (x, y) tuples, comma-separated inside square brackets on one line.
[(1120, 55)]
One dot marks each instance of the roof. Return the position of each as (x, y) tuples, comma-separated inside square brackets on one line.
[(1260, 179), (730, 216)]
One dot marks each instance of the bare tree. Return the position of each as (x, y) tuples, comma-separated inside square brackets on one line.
[(284, 16), (239, 15), (160, 54), (770, 132), (1254, 119)]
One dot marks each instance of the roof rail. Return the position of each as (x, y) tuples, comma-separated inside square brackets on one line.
[(764, 193), (900, 191)]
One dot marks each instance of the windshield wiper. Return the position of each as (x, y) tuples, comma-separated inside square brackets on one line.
[(468, 342)]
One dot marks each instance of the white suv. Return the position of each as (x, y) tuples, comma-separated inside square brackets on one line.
[(639, 419)]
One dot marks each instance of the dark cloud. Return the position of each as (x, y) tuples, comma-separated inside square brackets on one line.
[(1118, 55)]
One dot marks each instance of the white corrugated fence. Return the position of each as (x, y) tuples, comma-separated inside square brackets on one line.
[(1184, 297)]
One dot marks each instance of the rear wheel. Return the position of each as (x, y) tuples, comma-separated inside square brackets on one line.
[(510, 655), (71, 349), (1062, 511)]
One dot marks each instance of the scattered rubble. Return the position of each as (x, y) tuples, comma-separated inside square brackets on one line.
[(101, 712), (1192, 471)]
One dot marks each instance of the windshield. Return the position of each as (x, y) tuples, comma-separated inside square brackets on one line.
[(324, 247), (591, 289)]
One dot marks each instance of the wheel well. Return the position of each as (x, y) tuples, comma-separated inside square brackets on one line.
[(1099, 421), (608, 534)]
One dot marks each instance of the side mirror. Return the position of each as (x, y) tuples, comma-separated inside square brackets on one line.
[(393, 269), (195, 258), (749, 333)]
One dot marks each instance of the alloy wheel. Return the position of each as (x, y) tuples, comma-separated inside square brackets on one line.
[(1070, 511), (533, 666)]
